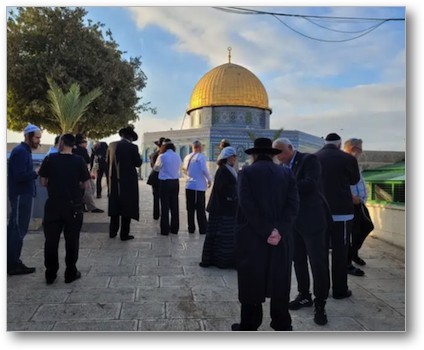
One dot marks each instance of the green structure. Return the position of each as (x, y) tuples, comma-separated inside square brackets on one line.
[(386, 184)]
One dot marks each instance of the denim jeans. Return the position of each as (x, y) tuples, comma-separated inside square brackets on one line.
[(17, 228)]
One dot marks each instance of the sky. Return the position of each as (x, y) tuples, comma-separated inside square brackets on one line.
[(355, 88)]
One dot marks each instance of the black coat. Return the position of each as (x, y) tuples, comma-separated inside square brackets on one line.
[(268, 199), (123, 159), (223, 199), (340, 170), (99, 152), (314, 212), (153, 179), (81, 151)]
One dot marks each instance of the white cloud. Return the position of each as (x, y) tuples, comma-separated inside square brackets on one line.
[(375, 112)]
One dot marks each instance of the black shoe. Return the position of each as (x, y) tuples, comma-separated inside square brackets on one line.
[(359, 261), (164, 234), (300, 301), (236, 327), (320, 316), (112, 235), (21, 270), (352, 270), (346, 294), (84, 209), (97, 210), (99, 196), (156, 218), (202, 264), (174, 233), (127, 238), (73, 278), (50, 280)]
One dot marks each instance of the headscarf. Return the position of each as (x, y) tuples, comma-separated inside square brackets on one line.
[(227, 152)]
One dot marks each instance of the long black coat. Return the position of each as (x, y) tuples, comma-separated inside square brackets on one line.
[(223, 199), (123, 159), (268, 199)]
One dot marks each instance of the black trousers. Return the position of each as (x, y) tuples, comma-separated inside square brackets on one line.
[(314, 246), (58, 218), (251, 316), (357, 238), (119, 221), (156, 202), (103, 170), (169, 191), (196, 204), (340, 234)]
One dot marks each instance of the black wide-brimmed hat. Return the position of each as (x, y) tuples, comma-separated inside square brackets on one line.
[(80, 138), (159, 143), (262, 145), (129, 130)]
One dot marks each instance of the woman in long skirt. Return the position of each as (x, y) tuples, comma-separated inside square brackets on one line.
[(218, 248)]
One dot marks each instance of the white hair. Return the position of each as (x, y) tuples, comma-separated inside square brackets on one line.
[(282, 141)]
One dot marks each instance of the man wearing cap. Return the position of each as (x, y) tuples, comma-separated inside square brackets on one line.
[(339, 171), (63, 174), (123, 158), (268, 206), (153, 179), (198, 180), (21, 190)]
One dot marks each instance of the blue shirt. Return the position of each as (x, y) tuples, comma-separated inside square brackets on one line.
[(197, 173), (360, 190), (52, 150), (292, 160), (20, 173), (168, 165)]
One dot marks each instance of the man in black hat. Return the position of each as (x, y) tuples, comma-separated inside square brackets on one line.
[(98, 160), (63, 173), (153, 179), (339, 171), (268, 206), (123, 158)]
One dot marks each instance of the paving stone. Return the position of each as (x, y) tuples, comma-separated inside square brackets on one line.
[(383, 273), (401, 311), (214, 294), (165, 325), (134, 281), (159, 271), (45, 295), (185, 281), (394, 300), (220, 324), (210, 271), (96, 326), (182, 261), (381, 324), (62, 253), (339, 324), (163, 294), (101, 253), (102, 295), (105, 260), (202, 309), (139, 260), (84, 282), (381, 286), (384, 263), (362, 308), (112, 270), (29, 326), (21, 312), (91, 311), (126, 245), (142, 310)]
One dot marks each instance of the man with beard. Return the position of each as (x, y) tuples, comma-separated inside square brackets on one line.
[(22, 190)]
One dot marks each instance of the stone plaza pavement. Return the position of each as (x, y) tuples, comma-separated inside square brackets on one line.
[(154, 283)]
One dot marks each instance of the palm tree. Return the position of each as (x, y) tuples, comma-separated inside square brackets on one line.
[(68, 109), (277, 134)]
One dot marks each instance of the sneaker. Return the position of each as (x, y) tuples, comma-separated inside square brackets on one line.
[(300, 301), (320, 316), (127, 238), (21, 270)]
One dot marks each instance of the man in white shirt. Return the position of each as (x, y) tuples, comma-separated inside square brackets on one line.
[(198, 180), (168, 165)]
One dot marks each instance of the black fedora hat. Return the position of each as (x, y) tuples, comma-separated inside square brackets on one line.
[(159, 143), (129, 130), (262, 145)]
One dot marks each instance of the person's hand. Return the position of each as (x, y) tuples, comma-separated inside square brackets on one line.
[(209, 184), (37, 170), (274, 238), (93, 176), (356, 199)]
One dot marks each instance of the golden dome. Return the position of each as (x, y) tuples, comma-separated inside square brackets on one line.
[(229, 85)]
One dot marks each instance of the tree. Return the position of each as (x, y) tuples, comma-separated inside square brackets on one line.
[(67, 110), (56, 42), (277, 134)]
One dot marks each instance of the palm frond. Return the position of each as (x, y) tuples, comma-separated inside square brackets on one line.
[(277, 134), (252, 135)]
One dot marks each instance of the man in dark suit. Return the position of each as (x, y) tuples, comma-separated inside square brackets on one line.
[(123, 159), (309, 236), (268, 206), (154, 181), (98, 156), (340, 170)]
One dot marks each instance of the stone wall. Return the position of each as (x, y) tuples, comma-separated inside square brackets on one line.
[(376, 159), (389, 223)]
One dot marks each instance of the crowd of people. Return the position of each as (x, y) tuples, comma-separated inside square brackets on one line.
[(286, 207)]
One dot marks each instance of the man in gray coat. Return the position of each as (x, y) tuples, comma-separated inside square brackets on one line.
[(268, 206)]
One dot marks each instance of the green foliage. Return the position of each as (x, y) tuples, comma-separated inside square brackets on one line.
[(68, 109), (56, 42)]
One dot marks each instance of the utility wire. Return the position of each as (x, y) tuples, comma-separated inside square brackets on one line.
[(351, 20), (313, 16)]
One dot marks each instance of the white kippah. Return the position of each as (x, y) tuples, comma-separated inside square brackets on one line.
[(31, 128), (227, 152)]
